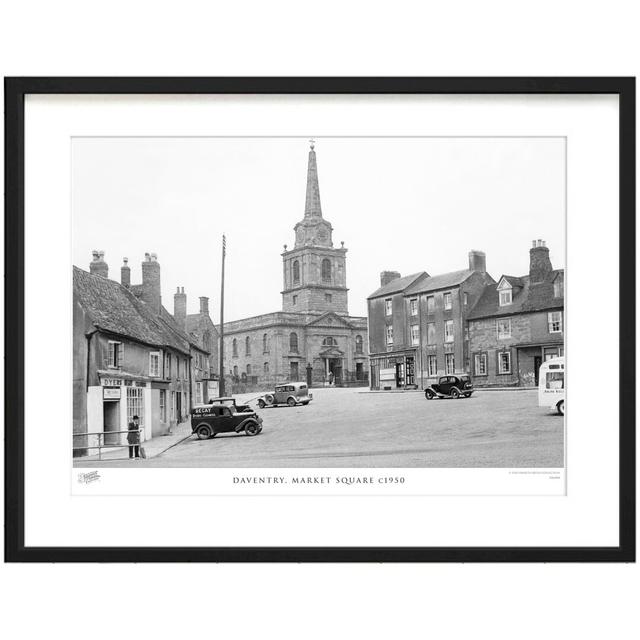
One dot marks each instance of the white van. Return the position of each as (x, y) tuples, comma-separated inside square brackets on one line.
[(551, 385)]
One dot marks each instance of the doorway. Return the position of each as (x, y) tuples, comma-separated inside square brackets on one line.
[(179, 407), (334, 371), (111, 415), (399, 375), (537, 362)]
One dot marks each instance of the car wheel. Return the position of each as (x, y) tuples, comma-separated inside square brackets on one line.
[(455, 393), (429, 395), (261, 403), (203, 432), (252, 429), (560, 407), (305, 403), (291, 402)]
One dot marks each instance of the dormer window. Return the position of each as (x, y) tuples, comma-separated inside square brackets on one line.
[(506, 297), (558, 286), (505, 292)]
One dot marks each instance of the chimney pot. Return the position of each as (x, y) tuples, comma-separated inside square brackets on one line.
[(98, 267), (388, 276), (151, 283), (125, 273), (477, 261), (539, 263)]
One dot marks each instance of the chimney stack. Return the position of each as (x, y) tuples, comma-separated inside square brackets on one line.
[(539, 262), (98, 267), (180, 308), (204, 306), (125, 273), (477, 261), (151, 282), (388, 276)]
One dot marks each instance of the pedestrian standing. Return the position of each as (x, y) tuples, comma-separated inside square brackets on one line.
[(330, 378), (133, 438)]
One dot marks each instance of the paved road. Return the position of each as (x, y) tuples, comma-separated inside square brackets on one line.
[(346, 428)]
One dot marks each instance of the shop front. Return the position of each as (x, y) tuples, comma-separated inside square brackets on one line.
[(393, 371)]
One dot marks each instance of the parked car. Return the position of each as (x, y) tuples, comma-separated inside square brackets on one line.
[(290, 393), (450, 387), (222, 415)]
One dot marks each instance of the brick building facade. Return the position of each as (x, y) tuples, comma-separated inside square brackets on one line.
[(313, 338), (417, 324), (518, 324)]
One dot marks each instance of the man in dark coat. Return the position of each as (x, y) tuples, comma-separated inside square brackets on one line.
[(133, 437)]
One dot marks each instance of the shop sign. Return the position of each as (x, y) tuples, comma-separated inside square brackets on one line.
[(111, 393), (388, 374)]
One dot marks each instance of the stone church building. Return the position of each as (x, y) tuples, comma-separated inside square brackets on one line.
[(313, 338)]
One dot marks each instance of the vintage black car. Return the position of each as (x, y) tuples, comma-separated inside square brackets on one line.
[(222, 415), (450, 387)]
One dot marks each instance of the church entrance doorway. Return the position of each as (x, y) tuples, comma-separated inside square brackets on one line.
[(333, 371)]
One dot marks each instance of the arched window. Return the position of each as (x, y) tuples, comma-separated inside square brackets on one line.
[(296, 272), (266, 367), (235, 370), (247, 346), (248, 369), (293, 342), (329, 342), (358, 344), (234, 349), (326, 270), (265, 343)]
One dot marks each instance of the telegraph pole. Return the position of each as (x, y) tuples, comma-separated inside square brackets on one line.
[(221, 382)]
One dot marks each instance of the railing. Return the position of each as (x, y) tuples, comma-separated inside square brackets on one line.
[(106, 440)]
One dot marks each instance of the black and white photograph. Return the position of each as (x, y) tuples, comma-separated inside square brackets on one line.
[(319, 302)]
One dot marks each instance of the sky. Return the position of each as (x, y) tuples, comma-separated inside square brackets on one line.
[(401, 204)]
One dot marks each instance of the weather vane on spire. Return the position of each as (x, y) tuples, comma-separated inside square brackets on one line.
[(312, 143)]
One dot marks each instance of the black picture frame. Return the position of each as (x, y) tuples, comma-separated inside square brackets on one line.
[(15, 91)]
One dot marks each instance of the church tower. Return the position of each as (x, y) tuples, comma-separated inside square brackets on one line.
[(315, 278)]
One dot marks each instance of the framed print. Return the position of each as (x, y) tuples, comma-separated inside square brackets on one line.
[(320, 319)]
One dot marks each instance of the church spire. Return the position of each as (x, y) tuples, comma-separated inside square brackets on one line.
[(312, 206)]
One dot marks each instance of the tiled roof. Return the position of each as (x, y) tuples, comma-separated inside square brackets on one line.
[(442, 281), (513, 281), (397, 285), (115, 309), (532, 297)]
